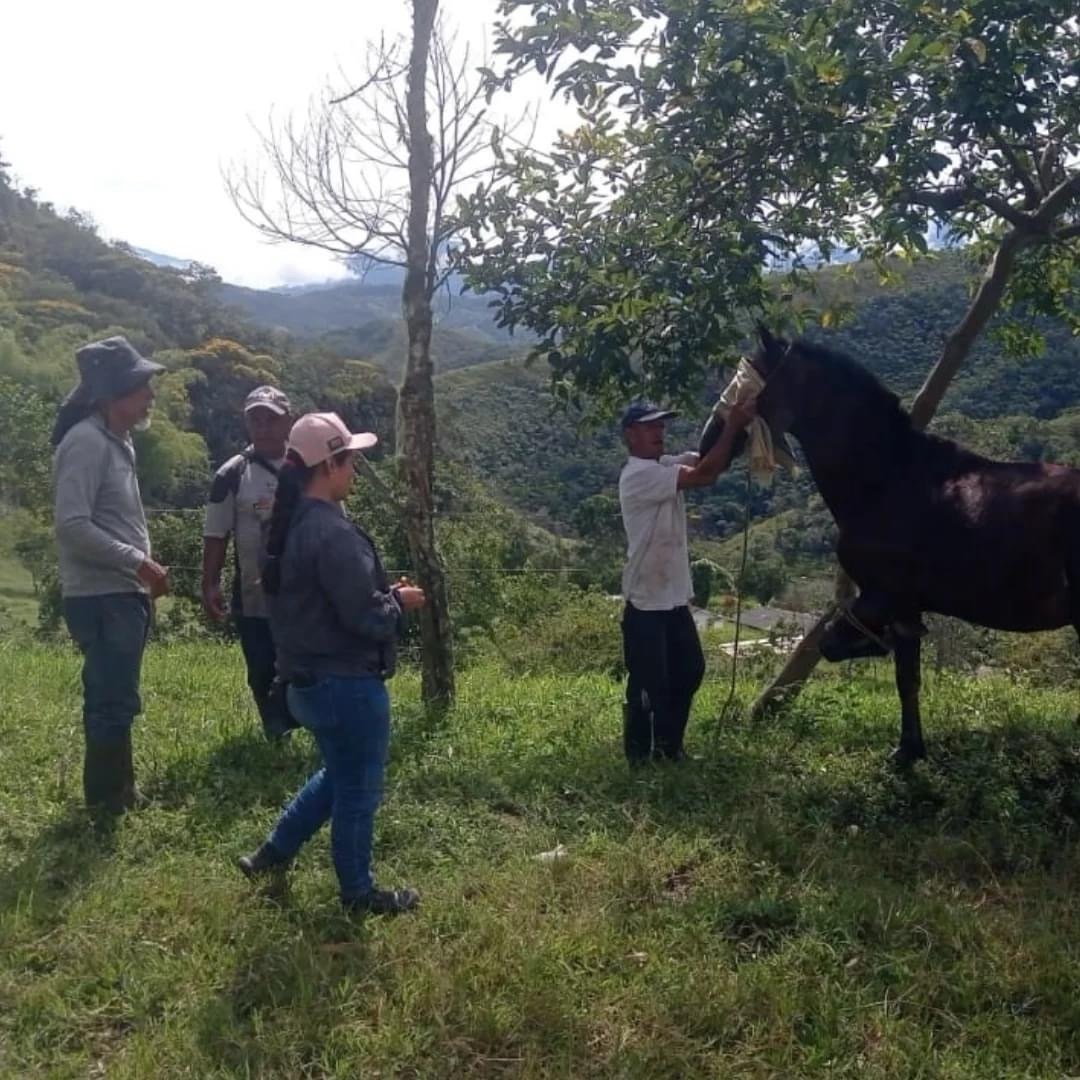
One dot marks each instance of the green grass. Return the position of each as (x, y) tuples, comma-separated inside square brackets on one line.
[(18, 604), (786, 906)]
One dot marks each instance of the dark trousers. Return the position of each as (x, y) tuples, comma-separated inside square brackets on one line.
[(110, 632), (665, 666), (260, 657)]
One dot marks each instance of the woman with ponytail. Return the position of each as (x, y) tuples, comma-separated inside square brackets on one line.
[(335, 621)]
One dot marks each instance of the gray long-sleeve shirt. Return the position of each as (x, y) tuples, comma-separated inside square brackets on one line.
[(334, 613), (101, 533)]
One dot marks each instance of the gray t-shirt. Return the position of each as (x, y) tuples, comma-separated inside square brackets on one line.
[(101, 533), (241, 500)]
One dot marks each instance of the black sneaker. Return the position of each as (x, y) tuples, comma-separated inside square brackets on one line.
[(384, 902), (263, 861)]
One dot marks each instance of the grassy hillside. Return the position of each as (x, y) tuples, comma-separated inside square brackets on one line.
[(386, 342), (784, 907)]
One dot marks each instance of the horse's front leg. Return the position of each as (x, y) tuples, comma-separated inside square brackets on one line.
[(907, 657)]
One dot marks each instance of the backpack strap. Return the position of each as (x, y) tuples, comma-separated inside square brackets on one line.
[(258, 459)]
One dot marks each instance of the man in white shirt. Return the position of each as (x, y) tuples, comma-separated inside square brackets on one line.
[(664, 661)]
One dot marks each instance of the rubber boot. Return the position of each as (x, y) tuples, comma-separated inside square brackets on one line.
[(131, 798), (104, 774), (274, 713), (671, 729)]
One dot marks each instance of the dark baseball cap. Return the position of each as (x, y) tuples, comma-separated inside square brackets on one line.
[(644, 412), (268, 397)]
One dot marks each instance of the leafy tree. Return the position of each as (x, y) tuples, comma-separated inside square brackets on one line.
[(227, 372), (26, 420), (703, 573), (371, 177), (719, 141), (597, 520), (173, 468), (765, 575)]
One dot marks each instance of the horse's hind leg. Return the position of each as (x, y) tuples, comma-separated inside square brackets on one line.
[(1072, 577), (907, 656)]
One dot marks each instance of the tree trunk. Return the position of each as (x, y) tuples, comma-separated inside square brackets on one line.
[(416, 399), (801, 663)]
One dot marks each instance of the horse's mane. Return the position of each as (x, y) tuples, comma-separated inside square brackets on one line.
[(851, 377), (876, 400)]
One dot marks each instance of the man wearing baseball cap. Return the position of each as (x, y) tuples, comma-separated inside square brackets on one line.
[(663, 656), (107, 577), (241, 499)]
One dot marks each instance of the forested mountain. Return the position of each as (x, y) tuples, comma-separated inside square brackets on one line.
[(357, 318), (341, 347), (501, 420), (61, 286)]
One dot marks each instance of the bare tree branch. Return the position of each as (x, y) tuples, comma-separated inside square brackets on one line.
[(338, 179), (1059, 199), (386, 69), (1020, 171)]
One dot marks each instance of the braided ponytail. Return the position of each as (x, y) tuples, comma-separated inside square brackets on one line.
[(293, 478)]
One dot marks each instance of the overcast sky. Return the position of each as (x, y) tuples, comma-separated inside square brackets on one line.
[(129, 110)]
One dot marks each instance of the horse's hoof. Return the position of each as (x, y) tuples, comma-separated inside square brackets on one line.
[(903, 757)]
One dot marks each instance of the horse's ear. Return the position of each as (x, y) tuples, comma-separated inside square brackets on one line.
[(771, 348)]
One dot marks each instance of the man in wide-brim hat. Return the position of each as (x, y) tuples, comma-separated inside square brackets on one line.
[(107, 577)]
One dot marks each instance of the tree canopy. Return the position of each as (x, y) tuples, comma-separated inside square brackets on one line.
[(720, 141)]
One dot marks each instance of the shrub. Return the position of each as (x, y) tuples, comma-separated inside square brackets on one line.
[(580, 636)]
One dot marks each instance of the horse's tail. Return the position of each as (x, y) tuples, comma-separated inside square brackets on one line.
[(1071, 540)]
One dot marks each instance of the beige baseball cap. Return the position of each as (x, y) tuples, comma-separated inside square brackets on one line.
[(318, 436)]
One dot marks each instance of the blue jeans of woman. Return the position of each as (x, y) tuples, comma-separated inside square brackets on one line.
[(350, 719)]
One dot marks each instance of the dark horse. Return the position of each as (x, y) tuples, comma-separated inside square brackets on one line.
[(924, 525)]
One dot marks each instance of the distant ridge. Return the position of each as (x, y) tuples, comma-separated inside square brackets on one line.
[(155, 257)]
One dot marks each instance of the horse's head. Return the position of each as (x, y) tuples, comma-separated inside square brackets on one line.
[(780, 366), (776, 402)]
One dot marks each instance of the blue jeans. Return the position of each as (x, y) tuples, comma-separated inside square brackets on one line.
[(350, 719), (110, 631)]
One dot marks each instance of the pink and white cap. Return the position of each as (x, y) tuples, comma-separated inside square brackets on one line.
[(316, 437)]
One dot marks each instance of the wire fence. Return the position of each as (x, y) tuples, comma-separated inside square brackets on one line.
[(479, 571)]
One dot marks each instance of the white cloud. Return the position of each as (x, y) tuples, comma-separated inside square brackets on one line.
[(133, 109)]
